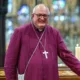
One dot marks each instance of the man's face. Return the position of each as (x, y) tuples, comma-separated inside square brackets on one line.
[(40, 18)]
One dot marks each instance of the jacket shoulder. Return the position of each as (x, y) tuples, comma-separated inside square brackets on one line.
[(52, 30), (24, 28)]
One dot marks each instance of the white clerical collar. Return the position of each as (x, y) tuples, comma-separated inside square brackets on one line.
[(40, 30)]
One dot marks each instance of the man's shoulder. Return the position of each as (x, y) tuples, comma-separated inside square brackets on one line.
[(23, 27), (52, 29)]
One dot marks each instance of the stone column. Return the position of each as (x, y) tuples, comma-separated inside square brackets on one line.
[(3, 11)]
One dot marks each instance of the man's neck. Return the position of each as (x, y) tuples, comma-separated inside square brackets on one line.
[(38, 29)]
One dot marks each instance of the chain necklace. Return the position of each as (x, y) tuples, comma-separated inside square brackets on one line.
[(44, 46)]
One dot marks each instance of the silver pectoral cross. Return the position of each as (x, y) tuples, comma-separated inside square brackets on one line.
[(45, 53)]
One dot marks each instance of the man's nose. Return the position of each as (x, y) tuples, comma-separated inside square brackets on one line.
[(42, 17)]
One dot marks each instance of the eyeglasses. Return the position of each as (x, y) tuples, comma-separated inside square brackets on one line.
[(40, 15)]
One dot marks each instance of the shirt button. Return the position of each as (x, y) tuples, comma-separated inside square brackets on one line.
[(44, 77)]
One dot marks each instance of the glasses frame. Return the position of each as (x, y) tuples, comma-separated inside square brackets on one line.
[(42, 15)]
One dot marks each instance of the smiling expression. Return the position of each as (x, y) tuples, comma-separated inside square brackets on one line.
[(40, 16)]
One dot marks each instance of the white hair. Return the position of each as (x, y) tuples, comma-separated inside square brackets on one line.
[(39, 5)]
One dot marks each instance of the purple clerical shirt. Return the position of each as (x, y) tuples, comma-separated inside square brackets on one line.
[(22, 45)]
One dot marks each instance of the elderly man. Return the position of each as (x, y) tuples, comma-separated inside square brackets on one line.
[(34, 49)]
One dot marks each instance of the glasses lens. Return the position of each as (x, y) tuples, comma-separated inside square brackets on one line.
[(42, 15)]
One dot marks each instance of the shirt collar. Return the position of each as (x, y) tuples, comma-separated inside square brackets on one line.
[(37, 28)]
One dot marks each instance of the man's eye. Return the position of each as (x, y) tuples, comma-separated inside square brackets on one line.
[(45, 15), (40, 15)]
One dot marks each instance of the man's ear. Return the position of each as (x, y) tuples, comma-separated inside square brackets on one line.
[(32, 15)]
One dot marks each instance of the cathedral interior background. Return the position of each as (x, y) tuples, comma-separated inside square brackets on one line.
[(65, 16)]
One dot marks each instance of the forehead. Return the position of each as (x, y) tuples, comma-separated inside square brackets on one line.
[(42, 10)]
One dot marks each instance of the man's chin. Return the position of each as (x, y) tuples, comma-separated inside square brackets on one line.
[(41, 25)]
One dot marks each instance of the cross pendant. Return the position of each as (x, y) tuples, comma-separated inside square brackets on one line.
[(45, 53)]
